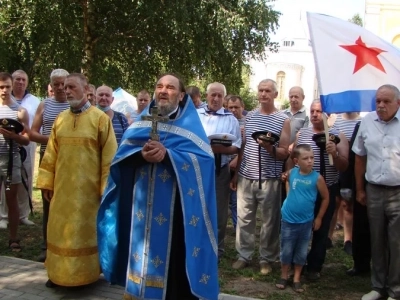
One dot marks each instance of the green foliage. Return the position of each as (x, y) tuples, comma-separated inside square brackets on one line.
[(249, 97), (129, 42), (356, 19), (285, 104)]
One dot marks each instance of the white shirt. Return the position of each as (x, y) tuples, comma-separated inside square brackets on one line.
[(380, 142), (30, 103), (221, 122)]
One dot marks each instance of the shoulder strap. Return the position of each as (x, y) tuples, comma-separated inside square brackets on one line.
[(353, 136)]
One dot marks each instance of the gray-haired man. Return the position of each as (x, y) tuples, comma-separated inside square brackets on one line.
[(377, 149)]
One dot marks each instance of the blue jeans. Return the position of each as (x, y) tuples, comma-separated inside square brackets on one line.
[(294, 242)]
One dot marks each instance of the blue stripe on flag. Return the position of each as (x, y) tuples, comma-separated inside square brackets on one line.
[(349, 101)]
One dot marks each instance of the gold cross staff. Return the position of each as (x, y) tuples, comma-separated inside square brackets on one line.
[(154, 118)]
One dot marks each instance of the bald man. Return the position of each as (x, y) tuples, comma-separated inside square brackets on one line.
[(296, 112), (104, 98)]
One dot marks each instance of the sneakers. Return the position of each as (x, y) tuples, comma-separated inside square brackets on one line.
[(265, 268), (239, 264), (26, 221), (357, 272), (3, 224), (372, 295), (348, 247)]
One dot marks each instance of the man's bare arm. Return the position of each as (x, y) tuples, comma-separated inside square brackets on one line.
[(360, 167), (282, 151), (23, 117), (34, 134)]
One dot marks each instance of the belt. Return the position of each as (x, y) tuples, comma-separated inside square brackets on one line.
[(386, 187)]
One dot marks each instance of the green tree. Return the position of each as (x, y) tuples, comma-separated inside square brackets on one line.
[(356, 19), (129, 42)]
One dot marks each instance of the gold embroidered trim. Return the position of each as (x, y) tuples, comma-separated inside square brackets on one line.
[(135, 278), (151, 281), (129, 297), (71, 252)]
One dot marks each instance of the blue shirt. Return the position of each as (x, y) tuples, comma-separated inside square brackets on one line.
[(380, 142), (299, 205)]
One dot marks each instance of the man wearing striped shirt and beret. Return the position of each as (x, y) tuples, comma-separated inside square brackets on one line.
[(258, 180)]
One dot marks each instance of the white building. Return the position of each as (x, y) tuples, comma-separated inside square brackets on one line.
[(382, 17), (292, 65)]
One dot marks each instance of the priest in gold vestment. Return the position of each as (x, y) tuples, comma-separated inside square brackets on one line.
[(72, 176)]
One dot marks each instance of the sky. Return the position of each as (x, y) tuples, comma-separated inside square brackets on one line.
[(292, 10)]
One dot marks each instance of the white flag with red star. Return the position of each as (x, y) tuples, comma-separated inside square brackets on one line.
[(351, 62)]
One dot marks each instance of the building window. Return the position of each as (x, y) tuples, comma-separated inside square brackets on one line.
[(288, 43), (280, 82)]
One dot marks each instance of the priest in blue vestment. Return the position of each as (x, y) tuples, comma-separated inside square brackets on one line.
[(157, 221)]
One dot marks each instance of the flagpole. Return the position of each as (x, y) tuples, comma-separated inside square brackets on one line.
[(326, 130), (324, 118)]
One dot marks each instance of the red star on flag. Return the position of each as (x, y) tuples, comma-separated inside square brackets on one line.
[(365, 55)]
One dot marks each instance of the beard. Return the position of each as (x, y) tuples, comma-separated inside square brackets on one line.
[(74, 103), (165, 110)]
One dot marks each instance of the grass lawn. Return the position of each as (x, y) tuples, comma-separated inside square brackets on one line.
[(333, 285)]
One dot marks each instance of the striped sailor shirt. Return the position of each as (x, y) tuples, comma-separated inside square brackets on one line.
[(51, 109), (305, 137), (270, 168)]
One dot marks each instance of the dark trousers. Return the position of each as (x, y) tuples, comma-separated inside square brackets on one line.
[(46, 206), (361, 238), (178, 286), (233, 204), (222, 194), (316, 256)]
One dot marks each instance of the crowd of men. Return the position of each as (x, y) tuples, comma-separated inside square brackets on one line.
[(145, 198)]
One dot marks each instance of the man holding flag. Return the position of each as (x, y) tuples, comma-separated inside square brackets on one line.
[(369, 71)]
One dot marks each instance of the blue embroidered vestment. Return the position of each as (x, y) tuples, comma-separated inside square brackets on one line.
[(135, 225)]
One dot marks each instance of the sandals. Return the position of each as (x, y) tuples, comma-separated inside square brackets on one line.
[(297, 287), (282, 284), (14, 245)]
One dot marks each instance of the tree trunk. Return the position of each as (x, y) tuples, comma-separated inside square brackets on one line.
[(88, 38)]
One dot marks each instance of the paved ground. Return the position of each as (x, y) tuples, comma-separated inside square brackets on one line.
[(24, 279)]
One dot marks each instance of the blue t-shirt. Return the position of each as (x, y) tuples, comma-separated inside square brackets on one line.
[(299, 205)]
